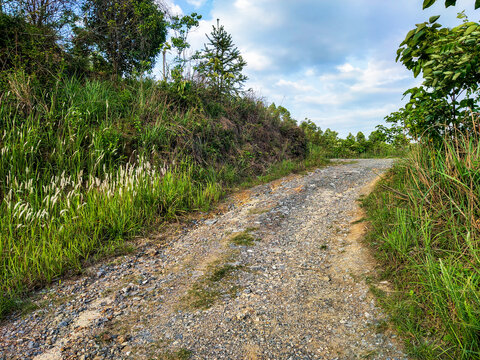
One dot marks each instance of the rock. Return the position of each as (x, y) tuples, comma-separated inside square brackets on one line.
[(101, 273)]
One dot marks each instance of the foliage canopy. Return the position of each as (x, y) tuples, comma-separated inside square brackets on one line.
[(448, 60), (125, 35)]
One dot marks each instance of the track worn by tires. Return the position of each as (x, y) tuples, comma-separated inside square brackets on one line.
[(279, 273)]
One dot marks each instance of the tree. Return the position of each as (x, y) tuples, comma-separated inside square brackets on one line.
[(51, 13), (449, 61), (447, 58), (29, 49), (221, 63), (377, 136), (349, 142), (125, 35), (181, 26), (282, 114), (428, 3), (360, 143)]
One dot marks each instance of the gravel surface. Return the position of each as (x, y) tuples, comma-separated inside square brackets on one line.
[(278, 273)]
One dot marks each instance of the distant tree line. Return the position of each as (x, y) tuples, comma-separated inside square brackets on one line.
[(381, 142)]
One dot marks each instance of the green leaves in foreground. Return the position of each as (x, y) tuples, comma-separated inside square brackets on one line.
[(428, 3), (448, 59)]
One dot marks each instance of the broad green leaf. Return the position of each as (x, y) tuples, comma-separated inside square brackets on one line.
[(477, 4), (409, 35), (433, 19), (456, 76), (428, 3), (421, 26), (450, 3), (417, 70), (470, 29), (418, 35)]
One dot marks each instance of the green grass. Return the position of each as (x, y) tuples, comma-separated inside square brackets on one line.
[(221, 272), (243, 238), (200, 297), (217, 282), (85, 166), (182, 354), (425, 231)]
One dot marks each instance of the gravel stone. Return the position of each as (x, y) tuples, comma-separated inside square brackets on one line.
[(297, 292)]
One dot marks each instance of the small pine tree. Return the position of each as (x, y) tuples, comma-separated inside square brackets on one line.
[(221, 63)]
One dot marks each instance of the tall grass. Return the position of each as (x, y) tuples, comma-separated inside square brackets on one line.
[(426, 222), (90, 163)]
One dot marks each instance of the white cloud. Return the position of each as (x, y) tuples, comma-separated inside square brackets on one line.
[(378, 76), (256, 60), (310, 72), (172, 8), (330, 61), (345, 68), (196, 3), (300, 87)]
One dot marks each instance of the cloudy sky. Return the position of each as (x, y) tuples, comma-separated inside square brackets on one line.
[(330, 61)]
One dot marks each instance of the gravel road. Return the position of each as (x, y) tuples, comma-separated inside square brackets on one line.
[(277, 272)]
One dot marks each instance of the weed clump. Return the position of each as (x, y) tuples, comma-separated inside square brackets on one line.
[(181, 354), (217, 282), (243, 239), (221, 272)]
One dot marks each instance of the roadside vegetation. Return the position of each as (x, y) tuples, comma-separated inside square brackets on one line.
[(93, 152), (96, 149), (425, 214)]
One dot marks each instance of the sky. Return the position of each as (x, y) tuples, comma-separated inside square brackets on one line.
[(332, 62)]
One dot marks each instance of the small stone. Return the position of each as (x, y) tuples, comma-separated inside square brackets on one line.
[(120, 339), (101, 273)]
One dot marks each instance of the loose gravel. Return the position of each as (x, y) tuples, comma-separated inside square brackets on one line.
[(278, 273)]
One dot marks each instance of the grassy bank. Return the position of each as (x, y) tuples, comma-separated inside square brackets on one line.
[(91, 163), (425, 220)]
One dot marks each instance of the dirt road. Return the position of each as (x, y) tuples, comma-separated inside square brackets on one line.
[(278, 273)]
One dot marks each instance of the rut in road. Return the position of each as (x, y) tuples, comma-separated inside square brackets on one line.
[(279, 274)]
